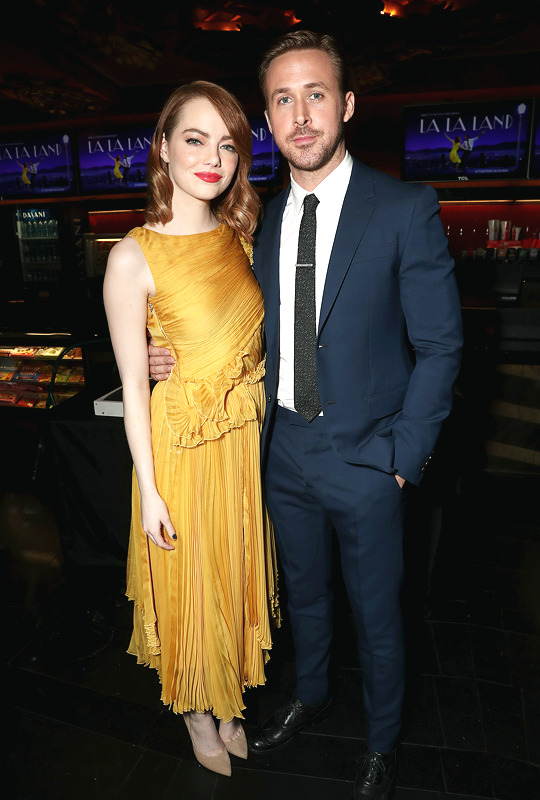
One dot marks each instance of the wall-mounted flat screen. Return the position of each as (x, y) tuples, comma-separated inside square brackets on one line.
[(266, 160), (534, 164), (114, 159), (472, 141), (35, 166)]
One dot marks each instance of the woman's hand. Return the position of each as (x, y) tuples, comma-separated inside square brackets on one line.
[(156, 521)]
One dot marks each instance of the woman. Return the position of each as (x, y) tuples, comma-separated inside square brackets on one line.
[(201, 563), (25, 179), (453, 156), (117, 171)]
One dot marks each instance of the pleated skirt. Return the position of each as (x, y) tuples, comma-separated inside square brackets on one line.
[(203, 611)]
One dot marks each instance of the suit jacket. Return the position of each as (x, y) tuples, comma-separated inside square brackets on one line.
[(390, 336)]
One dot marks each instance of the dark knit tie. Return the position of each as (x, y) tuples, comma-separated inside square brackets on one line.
[(306, 395)]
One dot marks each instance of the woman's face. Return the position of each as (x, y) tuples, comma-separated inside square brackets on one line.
[(200, 153)]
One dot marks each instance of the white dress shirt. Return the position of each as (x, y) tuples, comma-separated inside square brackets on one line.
[(330, 193)]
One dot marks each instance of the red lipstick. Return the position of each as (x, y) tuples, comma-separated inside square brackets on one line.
[(208, 177)]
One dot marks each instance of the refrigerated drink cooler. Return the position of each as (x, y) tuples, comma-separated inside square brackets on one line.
[(39, 247)]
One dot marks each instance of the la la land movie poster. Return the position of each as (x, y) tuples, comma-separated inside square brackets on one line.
[(36, 165), (114, 160), (475, 141), (266, 164)]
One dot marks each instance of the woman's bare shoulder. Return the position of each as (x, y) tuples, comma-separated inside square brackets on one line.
[(126, 256)]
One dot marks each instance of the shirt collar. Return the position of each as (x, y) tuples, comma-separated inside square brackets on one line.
[(331, 189)]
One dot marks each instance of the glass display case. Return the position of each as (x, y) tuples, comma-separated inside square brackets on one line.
[(38, 371)]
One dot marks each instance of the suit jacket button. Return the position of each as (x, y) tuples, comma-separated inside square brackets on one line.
[(269, 398)]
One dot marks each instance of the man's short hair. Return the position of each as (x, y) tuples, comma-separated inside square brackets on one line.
[(304, 40)]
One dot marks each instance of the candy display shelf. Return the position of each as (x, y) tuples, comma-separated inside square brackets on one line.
[(38, 371)]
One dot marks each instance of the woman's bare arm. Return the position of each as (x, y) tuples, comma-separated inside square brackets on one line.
[(128, 283)]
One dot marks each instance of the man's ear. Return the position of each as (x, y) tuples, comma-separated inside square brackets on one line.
[(348, 110), (164, 150)]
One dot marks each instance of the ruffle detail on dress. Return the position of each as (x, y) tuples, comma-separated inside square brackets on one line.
[(145, 642), (152, 639), (202, 409), (248, 249)]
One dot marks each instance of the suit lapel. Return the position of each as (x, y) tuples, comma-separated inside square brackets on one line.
[(266, 267), (358, 207)]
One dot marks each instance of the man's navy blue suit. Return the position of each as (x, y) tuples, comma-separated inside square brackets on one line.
[(388, 352)]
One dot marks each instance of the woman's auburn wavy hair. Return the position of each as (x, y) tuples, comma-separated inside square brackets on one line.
[(239, 205)]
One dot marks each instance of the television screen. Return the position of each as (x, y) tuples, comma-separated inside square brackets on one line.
[(472, 141), (534, 166), (266, 162), (36, 165), (114, 160)]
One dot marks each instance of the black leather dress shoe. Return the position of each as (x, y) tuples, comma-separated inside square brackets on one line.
[(284, 724), (376, 777)]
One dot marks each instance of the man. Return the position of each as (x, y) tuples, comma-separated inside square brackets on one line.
[(467, 148), (33, 170), (351, 278), (126, 163)]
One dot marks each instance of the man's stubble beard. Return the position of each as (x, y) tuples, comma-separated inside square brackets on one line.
[(323, 156)]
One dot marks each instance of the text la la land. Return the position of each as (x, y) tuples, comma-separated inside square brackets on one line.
[(451, 124), (112, 145), (23, 151)]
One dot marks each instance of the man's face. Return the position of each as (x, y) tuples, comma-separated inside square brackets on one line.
[(306, 111)]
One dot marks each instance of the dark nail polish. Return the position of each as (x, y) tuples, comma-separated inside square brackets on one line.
[(174, 536)]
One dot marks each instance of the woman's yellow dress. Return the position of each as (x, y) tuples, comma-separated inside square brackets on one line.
[(454, 157), (203, 611)]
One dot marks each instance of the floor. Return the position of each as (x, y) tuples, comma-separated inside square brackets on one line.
[(84, 721)]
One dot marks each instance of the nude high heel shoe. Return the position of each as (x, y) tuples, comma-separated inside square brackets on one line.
[(238, 747), (219, 763)]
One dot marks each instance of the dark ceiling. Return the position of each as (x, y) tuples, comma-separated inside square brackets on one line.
[(74, 59)]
